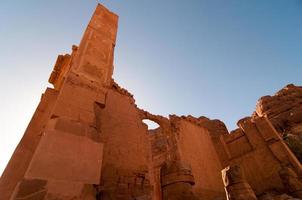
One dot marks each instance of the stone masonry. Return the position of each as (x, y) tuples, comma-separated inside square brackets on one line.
[(87, 140)]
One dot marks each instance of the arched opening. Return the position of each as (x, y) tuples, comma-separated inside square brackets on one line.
[(151, 124)]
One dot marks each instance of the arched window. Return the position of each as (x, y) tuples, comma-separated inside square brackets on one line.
[(151, 124)]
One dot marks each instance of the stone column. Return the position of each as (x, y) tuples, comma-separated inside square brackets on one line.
[(177, 181), (236, 186)]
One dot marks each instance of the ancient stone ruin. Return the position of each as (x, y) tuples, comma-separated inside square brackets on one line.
[(86, 140)]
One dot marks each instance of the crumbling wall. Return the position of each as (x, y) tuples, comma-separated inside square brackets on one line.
[(284, 110), (182, 144), (22, 155), (216, 128), (87, 140), (196, 149), (162, 150), (65, 162), (125, 161), (261, 153), (158, 154)]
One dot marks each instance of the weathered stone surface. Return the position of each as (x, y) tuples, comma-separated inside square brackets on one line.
[(63, 156), (177, 181), (94, 58), (294, 142), (87, 140), (60, 70), (260, 151), (291, 181), (274, 196), (22, 156), (31, 189), (196, 147), (236, 186), (125, 161), (284, 110)]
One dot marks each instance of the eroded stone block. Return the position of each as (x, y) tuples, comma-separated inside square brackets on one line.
[(63, 156)]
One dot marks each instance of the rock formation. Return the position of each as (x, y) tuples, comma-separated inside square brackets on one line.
[(87, 140), (284, 110)]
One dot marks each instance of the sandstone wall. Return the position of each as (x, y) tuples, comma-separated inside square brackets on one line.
[(67, 160), (158, 154), (181, 145), (261, 153), (87, 140), (125, 161), (196, 148), (22, 156), (162, 148)]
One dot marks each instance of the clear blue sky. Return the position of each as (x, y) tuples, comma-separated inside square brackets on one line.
[(202, 57)]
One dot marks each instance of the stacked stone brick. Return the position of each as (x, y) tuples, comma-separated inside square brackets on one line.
[(87, 140)]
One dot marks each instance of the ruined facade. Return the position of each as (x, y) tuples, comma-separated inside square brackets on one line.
[(87, 140)]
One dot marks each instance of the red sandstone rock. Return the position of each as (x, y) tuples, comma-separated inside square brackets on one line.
[(284, 110), (87, 140), (236, 186)]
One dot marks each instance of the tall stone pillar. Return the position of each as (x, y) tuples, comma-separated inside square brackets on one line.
[(236, 186), (66, 164)]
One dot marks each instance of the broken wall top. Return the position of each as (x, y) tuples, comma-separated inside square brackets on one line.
[(284, 109)]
